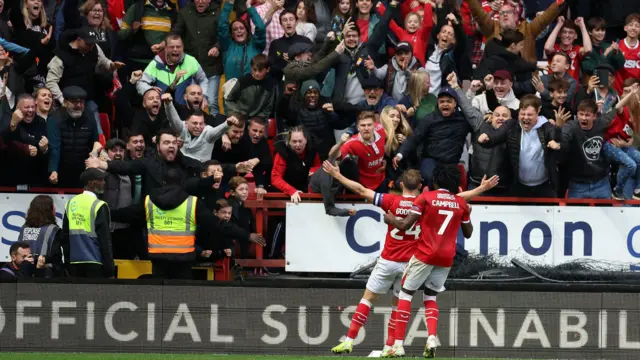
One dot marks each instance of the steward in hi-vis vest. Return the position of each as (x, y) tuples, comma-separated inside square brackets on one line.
[(86, 239), (172, 217)]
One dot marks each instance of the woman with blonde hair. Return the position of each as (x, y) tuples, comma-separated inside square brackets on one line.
[(32, 31), (398, 130), (418, 102)]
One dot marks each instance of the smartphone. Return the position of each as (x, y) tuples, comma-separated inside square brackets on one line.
[(603, 76)]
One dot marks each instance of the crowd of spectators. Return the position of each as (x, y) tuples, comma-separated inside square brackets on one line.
[(550, 100)]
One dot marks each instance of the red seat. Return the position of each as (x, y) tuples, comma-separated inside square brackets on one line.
[(272, 129), (106, 125), (463, 177)]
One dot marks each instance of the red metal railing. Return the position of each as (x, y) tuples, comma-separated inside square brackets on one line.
[(273, 204)]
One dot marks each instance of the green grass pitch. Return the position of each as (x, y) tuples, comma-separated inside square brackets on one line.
[(86, 356)]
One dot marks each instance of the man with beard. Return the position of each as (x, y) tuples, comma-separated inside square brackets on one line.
[(318, 116), (28, 136), (151, 118), (119, 193), (72, 136), (279, 48), (442, 132), (531, 141), (248, 149), (198, 138), (509, 20), (173, 71), (153, 168), (193, 100)]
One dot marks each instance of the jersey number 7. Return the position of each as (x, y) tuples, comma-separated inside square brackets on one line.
[(447, 220), (413, 230)]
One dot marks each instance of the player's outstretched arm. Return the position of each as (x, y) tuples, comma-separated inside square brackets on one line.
[(485, 185), (401, 224), (357, 188)]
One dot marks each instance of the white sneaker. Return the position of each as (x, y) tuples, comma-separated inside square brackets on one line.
[(430, 349), (397, 351), (385, 351)]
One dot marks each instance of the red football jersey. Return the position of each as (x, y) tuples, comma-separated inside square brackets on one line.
[(576, 59), (631, 67), (441, 214), (620, 127), (370, 157), (399, 245)]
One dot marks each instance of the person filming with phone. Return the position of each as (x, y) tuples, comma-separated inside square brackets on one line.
[(600, 89)]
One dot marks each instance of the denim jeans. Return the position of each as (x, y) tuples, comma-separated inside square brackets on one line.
[(628, 159), (600, 189), (91, 107), (212, 94), (427, 165)]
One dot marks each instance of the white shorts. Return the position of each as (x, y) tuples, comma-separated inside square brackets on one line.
[(418, 273), (385, 274)]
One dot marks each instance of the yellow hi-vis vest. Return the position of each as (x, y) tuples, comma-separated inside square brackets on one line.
[(84, 247), (171, 231)]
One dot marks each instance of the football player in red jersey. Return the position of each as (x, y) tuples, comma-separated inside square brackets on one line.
[(440, 214), (398, 249)]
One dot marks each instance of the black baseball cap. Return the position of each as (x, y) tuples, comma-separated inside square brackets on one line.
[(404, 46), (89, 36), (371, 82), (91, 175), (113, 143)]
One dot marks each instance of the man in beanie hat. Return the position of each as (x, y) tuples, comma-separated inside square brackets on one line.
[(317, 114)]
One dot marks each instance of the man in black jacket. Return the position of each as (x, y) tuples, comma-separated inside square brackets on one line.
[(73, 134), (443, 132), (166, 262), (154, 168), (530, 146)]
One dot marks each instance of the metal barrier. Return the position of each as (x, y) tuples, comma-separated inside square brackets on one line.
[(274, 204)]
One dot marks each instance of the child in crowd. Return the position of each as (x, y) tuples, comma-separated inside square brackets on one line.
[(241, 215), (341, 13), (222, 246), (618, 147), (603, 52), (557, 109), (305, 11), (630, 49), (416, 30), (568, 31)]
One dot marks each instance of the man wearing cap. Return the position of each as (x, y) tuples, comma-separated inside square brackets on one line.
[(303, 65), (442, 132), (86, 239), (119, 193), (397, 73), (500, 87), (375, 99), (279, 48), (73, 134), (76, 62), (600, 89)]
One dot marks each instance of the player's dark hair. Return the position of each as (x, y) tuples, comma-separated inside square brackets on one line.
[(447, 177), (411, 179)]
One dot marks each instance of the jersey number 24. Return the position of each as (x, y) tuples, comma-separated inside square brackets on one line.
[(414, 231)]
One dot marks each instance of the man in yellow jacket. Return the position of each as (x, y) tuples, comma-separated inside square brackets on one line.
[(172, 217), (85, 238)]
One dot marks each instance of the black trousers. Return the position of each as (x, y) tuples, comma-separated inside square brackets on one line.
[(127, 243), (86, 271), (163, 269), (544, 190)]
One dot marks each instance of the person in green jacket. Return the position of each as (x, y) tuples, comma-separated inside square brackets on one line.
[(237, 44), (603, 52)]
